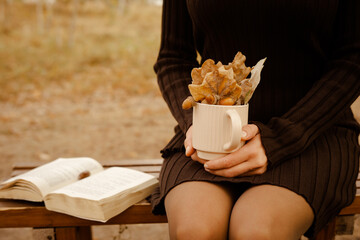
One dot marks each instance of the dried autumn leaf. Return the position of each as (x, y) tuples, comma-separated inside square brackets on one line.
[(212, 79), (236, 93), (199, 92), (246, 91), (226, 82), (196, 76), (229, 73), (215, 86), (249, 85), (207, 67), (239, 67)]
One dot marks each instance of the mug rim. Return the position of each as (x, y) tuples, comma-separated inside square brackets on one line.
[(222, 106)]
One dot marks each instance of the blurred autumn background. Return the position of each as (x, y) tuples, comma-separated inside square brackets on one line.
[(76, 79)]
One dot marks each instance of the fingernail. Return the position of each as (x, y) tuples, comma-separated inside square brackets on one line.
[(206, 165), (243, 134), (187, 150)]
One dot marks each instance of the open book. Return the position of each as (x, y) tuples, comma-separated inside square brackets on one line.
[(81, 187)]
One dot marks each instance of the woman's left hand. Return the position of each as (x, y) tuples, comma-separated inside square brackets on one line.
[(249, 160)]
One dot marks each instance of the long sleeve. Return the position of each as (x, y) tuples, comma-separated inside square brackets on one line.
[(286, 136), (176, 59)]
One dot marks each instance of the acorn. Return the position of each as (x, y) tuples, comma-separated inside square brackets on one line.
[(227, 101), (188, 103)]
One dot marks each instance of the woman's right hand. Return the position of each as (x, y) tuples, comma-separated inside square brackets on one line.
[(190, 151)]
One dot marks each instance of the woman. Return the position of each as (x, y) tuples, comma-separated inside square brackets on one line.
[(299, 165)]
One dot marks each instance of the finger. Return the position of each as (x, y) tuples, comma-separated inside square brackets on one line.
[(187, 142), (257, 171), (189, 150), (253, 167), (233, 171), (249, 131), (195, 157), (226, 162)]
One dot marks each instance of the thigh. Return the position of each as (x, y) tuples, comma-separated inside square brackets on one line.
[(198, 210), (270, 212)]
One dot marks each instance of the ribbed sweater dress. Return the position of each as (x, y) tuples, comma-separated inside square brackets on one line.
[(301, 106)]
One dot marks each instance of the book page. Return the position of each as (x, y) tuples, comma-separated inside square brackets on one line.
[(57, 173), (105, 184)]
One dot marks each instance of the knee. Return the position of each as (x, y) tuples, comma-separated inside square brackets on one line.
[(250, 233), (197, 232)]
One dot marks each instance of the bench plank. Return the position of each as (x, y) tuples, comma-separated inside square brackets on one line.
[(27, 214), (354, 208), (119, 163)]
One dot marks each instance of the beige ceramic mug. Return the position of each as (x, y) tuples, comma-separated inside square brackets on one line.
[(217, 129)]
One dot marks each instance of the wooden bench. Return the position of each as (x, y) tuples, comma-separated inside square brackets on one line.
[(19, 214)]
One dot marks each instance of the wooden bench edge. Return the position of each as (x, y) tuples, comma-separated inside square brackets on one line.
[(39, 217)]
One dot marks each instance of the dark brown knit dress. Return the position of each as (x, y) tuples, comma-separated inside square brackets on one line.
[(302, 104)]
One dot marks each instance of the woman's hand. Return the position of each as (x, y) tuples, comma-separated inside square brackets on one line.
[(248, 160), (189, 149)]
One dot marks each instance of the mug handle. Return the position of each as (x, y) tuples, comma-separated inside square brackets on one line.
[(235, 138)]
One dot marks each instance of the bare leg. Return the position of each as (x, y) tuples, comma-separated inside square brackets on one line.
[(198, 210), (270, 212)]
